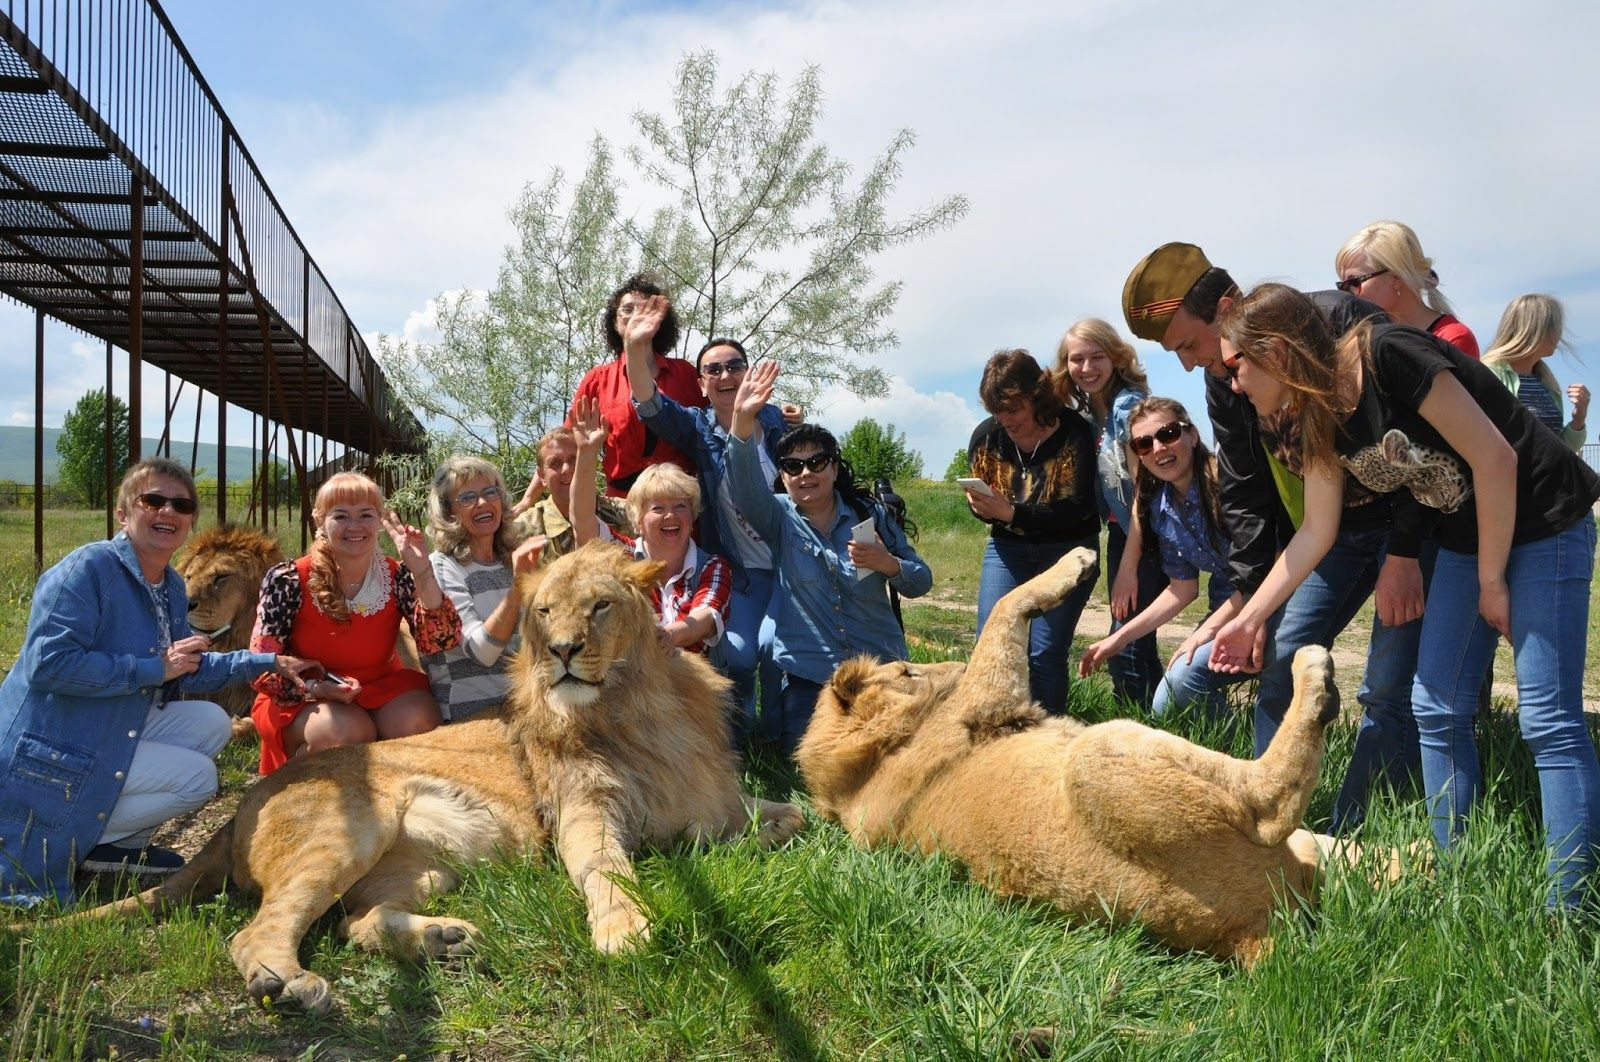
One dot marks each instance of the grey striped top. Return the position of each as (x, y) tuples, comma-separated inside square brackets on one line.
[(472, 676)]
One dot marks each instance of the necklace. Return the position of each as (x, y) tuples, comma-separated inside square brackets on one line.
[(1031, 453)]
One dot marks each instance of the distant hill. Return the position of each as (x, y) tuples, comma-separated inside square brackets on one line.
[(16, 456)]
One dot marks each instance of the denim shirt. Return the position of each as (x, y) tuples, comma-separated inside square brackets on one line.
[(1185, 536), (696, 431), (73, 707), (826, 614), (1116, 482)]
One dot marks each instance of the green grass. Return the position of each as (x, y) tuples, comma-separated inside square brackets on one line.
[(820, 950)]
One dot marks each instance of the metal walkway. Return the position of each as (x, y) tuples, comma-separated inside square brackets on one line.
[(130, 210)]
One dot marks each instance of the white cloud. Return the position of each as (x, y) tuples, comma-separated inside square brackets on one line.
[(935, 425), (1083, 133)]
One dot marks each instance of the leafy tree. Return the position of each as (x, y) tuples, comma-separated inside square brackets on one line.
[(769, 241), (958, 467), (875, 450), (756, 227), (82, 446)]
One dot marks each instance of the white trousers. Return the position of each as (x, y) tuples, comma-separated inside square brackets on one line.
[(172, 773)]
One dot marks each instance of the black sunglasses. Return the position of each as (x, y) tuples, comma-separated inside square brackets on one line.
[(1166, 435), (153, 501), (1231, 365), (468, 497), (792, 466), (731, 368), (1349, 284)]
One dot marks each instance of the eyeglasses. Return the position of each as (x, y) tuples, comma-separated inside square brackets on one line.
[(1349, 284), (1231, 365), (730, 368), (1166, 435), (153, 501), (792, 466), (470, 497)]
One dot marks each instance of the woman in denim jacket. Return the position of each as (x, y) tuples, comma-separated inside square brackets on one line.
[(833, 581), (96, 748)]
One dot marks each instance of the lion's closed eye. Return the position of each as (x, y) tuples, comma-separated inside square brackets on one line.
[(601, 606)]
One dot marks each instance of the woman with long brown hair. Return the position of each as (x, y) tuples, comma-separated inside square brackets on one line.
[(342, 604), (1389, 408)]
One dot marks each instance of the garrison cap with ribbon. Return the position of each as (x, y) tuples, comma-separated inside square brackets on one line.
[(1157, 286)]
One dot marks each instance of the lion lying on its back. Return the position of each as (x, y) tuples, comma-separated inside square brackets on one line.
[(608, 742), (1116, 819)]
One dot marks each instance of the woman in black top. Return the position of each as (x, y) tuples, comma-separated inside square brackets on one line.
[(1392, 407), (1038, 461)]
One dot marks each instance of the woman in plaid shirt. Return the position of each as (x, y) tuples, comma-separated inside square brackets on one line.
[(692, 600)]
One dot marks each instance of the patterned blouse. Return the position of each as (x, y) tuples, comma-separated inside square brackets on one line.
[(435, 630)]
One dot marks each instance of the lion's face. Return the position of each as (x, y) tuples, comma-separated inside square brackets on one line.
[(222, 570), (865, 712), (588, 613)]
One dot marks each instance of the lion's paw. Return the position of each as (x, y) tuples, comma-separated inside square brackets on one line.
[(1044, 592), (779, 822), (448, 938), (621, 929), (305, 991), (1313, 677)]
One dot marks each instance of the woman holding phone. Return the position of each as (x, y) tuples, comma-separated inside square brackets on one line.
[(1038, 462)]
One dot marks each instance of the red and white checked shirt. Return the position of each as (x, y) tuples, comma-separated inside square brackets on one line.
[(705, 580)]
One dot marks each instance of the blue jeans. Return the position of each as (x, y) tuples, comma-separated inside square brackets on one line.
[(746, 640), (1549, 582), (1136, 671), (797, 702), (1322, 607), (1193, 685), (1006, 566)]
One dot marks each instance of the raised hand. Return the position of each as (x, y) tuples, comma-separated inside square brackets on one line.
[(588, 425), (642, 326), (1578, 395), (755, 391), (409, 544), (793, 413), (525, 558)]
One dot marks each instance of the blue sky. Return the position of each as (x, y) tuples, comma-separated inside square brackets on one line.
[(1084, 133)]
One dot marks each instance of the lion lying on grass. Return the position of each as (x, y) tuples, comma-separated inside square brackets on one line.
[(1114, 821), (608, 742)]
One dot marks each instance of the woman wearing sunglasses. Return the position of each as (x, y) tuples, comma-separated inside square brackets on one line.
[(836, 551), (1177, 506), (477, 556), (1038, 462), (98, 741), (1384, 264), (343, 603), (1389, 407), (1098, 374), (722, 528)]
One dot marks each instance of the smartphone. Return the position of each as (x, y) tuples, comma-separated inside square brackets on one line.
[(864, 533), (976, 486)]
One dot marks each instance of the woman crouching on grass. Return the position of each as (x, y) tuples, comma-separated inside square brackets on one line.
[(342, 604), (692, 601), (1176, 504), (1395, 407)]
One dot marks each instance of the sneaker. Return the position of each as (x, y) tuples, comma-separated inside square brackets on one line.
[(151, 861)]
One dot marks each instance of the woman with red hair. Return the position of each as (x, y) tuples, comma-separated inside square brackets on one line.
[(341, 604)]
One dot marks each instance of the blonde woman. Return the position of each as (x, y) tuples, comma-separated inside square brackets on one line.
[(342, 604), (1384, 264), (478, 554), (1098, 373), (1531, 329)]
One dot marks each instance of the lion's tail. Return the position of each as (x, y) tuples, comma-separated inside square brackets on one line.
[(204, 874)]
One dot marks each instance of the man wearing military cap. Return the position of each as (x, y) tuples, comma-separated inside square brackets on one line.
[(1173, 297)]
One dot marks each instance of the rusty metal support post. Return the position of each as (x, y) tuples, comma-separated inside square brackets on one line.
[(222, 333), (135, 319), (38, 442), (110, 466)]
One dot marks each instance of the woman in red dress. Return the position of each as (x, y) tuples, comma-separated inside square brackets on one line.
[(341, 605)]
